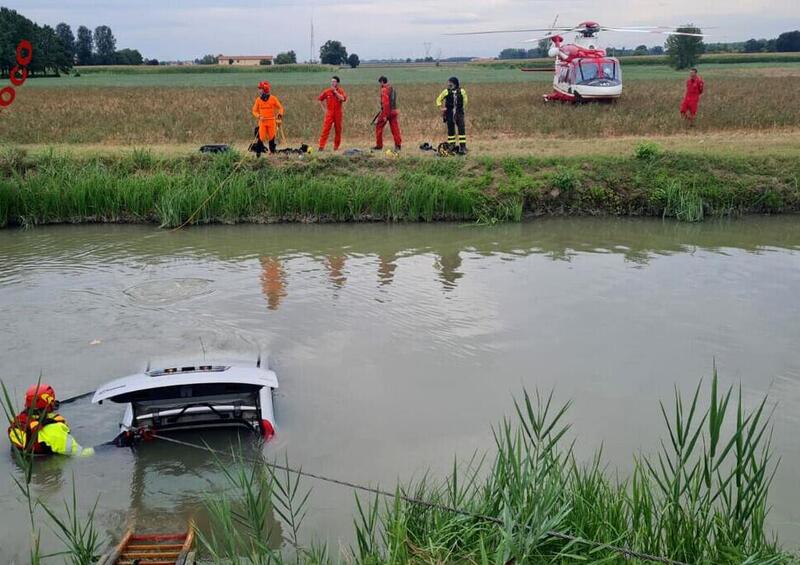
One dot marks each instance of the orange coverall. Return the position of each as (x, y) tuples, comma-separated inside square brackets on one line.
[(691, 101), (267, 111), (333, 117), (388, 115)]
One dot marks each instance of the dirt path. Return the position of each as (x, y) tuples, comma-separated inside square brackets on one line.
[(777, 143)]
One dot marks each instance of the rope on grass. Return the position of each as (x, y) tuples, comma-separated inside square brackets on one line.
[(628, 553), (210, 196), (283, 134)]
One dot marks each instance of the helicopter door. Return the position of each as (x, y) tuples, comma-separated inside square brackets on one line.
[(563, 75)]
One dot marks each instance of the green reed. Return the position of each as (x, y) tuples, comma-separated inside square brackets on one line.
[(699, 497), (138, 187)]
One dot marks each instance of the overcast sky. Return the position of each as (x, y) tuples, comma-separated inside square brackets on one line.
[(184, 29)]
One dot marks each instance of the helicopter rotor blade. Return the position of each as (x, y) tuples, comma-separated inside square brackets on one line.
[(509, 31), (683, 33), (538, 39), (660, 31)]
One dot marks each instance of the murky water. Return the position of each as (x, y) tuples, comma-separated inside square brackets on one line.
[(397, 347)]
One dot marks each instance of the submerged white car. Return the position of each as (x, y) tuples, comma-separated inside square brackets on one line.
[(192, 397)]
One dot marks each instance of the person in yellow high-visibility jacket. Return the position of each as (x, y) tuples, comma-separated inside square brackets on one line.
[(452, 102), (42, 431)]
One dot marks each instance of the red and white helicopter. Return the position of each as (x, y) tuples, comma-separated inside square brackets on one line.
[(583, 71)]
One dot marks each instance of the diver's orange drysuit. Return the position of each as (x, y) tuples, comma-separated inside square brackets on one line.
[(269, 110)]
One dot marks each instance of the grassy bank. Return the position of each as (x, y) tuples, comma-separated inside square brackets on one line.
[(139, 187)]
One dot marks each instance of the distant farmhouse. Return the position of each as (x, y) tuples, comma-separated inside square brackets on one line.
[(244, 60)]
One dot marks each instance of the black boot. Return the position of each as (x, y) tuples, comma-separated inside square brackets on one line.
[(272, 146), (258, 148)]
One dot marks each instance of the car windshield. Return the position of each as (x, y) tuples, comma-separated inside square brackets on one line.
[(598, 69)]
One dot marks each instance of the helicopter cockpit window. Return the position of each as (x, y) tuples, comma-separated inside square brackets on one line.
[(592, 70), (609, 69), (589, 70)]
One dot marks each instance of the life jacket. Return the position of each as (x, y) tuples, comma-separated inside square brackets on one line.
[(24, 431), (454, 99)]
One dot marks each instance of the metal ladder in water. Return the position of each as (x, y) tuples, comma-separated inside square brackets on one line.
[(152, 549)]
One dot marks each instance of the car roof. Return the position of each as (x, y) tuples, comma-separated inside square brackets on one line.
[(186, 375)]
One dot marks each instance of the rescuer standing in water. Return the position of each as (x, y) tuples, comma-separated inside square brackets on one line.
[(452, 102), (40, 430), (331, 101), (387, 115), (269, 111), (691, 101)]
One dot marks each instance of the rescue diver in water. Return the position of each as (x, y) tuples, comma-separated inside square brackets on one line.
[(40, 430), (452, 102), (269, 111)]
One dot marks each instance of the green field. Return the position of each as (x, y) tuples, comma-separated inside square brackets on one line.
[(661, 60), (468, 74)]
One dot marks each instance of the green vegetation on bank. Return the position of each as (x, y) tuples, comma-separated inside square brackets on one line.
[(140, 188)]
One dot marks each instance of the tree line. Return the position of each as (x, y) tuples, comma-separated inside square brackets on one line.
[(786, 42), (56, 51), (332, 52)]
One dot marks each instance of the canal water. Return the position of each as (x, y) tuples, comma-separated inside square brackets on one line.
[(397, 346)]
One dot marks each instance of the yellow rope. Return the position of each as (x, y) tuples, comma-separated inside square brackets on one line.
[(210, 196), (283, 135)]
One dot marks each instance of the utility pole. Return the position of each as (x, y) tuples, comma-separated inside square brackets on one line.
[(427, 45), (311, 45)]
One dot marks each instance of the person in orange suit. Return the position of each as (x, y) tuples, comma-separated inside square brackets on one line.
[(273, 281), (331, 101), (694, 88), (336, 264), (269, 111), (387, 115)]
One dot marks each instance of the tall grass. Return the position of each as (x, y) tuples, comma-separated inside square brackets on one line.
[(198, 113), (138, 187), (700, 497)]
